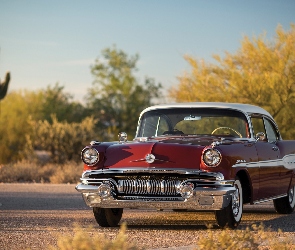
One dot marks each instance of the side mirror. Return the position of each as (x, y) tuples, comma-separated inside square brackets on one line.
[(260, 136), (122, 137)]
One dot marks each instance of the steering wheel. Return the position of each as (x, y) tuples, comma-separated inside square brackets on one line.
[(239, 134)]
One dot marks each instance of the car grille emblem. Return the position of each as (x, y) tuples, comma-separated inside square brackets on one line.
[(150, 158)]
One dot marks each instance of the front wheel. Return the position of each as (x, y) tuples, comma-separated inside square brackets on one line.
[(231, 215), (107, 217), (285, 205)]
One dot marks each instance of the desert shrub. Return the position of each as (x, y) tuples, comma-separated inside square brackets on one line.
[(62, 140), (25, 171), (248, 239), (19, 172), (69, 172), (83, 241)]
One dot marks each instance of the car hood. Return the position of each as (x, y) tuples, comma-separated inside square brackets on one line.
[(172, 153)]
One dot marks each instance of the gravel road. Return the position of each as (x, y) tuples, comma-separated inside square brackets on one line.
[(34, 216)]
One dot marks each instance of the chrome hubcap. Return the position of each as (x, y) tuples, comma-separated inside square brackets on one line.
[(236, 202), (291, 195)]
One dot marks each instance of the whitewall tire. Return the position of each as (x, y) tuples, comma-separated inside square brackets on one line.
[(231, 215), (286, 205)]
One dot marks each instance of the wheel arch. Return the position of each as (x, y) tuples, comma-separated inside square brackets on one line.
[(292, 181), (246, 185)]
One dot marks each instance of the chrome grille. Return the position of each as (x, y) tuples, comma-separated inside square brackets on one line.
[(148, 186)]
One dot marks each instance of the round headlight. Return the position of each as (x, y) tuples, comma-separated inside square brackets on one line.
[(211, 157), (90, 156)]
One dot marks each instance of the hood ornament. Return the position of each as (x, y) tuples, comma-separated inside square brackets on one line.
[(150, 158)]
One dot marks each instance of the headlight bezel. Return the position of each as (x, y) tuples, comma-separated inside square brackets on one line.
[(211, 157), (93, 156)]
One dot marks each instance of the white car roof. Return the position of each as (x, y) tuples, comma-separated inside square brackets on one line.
[(246, 108)]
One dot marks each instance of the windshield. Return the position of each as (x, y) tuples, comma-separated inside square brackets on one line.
[(193, 121)]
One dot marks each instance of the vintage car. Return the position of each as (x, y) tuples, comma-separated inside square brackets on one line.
[(192, 156)]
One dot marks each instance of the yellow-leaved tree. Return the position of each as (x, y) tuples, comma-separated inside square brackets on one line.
[(261, 72)]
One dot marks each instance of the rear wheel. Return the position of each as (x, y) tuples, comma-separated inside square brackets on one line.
[(107, 217), (285, 205), (231, 215)]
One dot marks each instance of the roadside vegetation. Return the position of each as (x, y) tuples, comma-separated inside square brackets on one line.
[(83, 241), (256, 237), (28, 172)]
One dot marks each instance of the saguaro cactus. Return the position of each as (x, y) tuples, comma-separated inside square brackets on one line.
[(4, 86)]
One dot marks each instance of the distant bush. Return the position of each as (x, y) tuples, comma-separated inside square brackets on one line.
[(62, 140), (24, 171), (83, 241), (255, 238)]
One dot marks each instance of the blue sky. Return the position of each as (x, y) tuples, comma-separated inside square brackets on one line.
[(47, 41)]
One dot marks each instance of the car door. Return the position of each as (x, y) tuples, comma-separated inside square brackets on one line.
[(268, 154), (285, 173)]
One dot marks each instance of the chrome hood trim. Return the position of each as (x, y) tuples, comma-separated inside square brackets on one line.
[(145, 170)]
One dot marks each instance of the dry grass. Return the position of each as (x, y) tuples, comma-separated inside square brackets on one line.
[(253, 238), (83, 241), (249, 239), (25, 171)]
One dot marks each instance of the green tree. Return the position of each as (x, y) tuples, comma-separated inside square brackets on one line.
[(261, 72), (61, 104), (116, 97)]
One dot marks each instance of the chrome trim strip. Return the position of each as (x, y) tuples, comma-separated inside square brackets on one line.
[(143, 170), (144, 159), (270, 199), (149, 171), (288, 162), (199, 179), (82, 188)]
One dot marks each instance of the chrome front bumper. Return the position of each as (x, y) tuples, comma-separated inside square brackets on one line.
[(202, 198)]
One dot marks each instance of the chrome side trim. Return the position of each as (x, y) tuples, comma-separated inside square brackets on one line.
[(270, 199), (288, 162)]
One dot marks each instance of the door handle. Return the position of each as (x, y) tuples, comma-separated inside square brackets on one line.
[(275, 148)]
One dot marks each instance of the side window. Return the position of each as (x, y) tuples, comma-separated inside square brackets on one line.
[(258, 125), (271, 132), (266, 126)]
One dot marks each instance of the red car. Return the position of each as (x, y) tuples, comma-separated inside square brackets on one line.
[(196, 156)]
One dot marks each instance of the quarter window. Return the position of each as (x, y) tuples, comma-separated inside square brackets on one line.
[(264, 125), (258, 125), (271, 132)]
